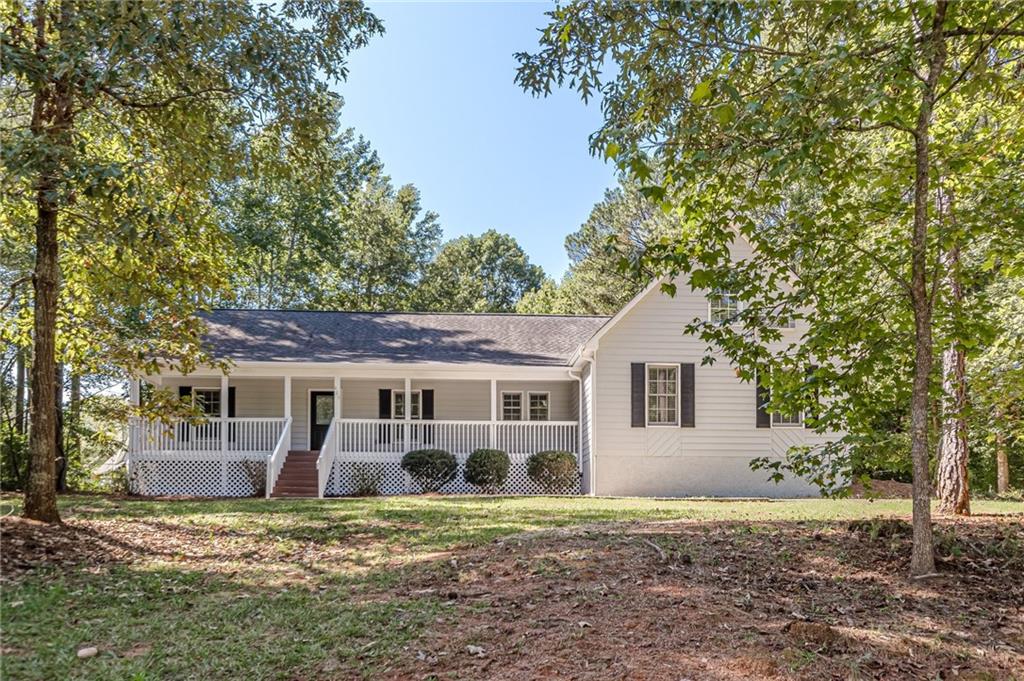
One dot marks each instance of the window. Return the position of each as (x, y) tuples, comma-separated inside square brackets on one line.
[(786, 323), (208, 400), (722, 307), (511, 406), (398, 404), (538, 406), (662, 395), (792, 419)]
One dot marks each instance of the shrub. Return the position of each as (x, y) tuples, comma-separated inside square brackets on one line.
[(487, 469), (555, 471), (432, 469), (367, 479), (256, 475)]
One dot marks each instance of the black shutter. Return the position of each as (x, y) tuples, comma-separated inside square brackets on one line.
[(427, 413), (384, 412), (764, 419), (231, 412), (184, 391), (637, 397), (686, 396)]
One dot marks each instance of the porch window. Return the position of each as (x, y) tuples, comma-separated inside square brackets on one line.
[(539, 406), (722, 307), (398, 404), (511, 406), (662, 394), (208, 400)]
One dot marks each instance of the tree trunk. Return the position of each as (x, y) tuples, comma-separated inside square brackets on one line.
[(953, 485), (1002, 458), (19, 392), (51, 121), (922, 560)]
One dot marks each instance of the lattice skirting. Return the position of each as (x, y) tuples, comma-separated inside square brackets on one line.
[(386, 469), (238, 475)]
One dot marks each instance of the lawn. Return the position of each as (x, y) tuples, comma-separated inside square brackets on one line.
[(471, 587)]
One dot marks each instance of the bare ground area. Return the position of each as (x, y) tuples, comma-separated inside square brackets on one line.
[(649, 599)]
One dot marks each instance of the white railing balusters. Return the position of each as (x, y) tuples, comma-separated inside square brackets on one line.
[(275, 461), (383, 436), (325, 461)]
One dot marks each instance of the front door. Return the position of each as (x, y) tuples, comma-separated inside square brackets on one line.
[(321, 413)]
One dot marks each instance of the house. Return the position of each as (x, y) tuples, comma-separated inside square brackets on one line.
[(316, 400)]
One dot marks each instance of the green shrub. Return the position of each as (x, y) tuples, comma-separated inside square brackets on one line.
[(367, 479), (432, 469), (555, 471), (487, 469)]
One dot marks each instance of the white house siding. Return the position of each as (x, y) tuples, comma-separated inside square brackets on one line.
[(586, 428), (710, 459)]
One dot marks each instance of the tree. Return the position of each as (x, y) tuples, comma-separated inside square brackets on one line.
[(486, 273), (822, 134), (619, 228), (120, 117)]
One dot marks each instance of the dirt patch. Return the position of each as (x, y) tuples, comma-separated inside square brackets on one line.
[(881, 489), (726, 601)]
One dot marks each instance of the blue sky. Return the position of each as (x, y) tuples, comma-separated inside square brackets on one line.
[(435, 96)]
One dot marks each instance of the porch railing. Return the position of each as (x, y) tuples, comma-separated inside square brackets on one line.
[(240, 435), (383, 436), (275, 461), (325, 461)]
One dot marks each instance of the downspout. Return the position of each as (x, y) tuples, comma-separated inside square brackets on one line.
[(592, 432)]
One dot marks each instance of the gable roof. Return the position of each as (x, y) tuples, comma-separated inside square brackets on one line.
[(314, 336)]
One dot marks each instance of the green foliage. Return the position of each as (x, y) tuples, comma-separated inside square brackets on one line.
[(617, 231), (486, 273), (432, 469), (487, 469), (555, 471), (795, 126), (367, 479)]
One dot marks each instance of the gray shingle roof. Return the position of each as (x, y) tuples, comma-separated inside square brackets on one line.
[(310, 336)]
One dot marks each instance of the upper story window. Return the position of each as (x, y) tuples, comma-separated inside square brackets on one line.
[(208, 400), (398, 404), (539, 406), (722, 307), (662, 394), (511, 406)]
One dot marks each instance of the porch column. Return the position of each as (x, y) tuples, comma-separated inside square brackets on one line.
[(134, 391), (223, 434), (287, 397), (494, 414), (407, 414), (337, 397)]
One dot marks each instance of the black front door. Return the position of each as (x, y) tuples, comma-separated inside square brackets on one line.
[(321, 412)]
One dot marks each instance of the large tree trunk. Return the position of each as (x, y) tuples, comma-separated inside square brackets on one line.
[(953, 487), (51, 122), (922, 560), (1002, 458)]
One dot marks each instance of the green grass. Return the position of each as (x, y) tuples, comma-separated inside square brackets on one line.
[(296, 589)]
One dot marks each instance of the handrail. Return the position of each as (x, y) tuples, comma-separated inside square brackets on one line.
[(325, 461), (275, 461), (441, 422)]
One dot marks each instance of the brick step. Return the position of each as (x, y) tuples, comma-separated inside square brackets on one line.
[(295, 495), (298, 479)]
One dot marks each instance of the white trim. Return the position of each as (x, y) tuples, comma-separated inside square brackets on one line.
[(594, 340), (309, 415), (214, 388), (723, 294), (647, 407), (287, 397), (529, 394), (383, 371), (799, 424), (521, 403)]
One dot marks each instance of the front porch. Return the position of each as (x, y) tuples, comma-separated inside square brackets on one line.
[(358, 428)]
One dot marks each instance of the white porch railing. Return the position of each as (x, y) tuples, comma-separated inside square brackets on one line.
[(325, 462), (251, 435), (275, 461), (383, 436)]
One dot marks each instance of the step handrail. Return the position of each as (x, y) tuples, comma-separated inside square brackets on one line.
[(325, 461), (275, 461)]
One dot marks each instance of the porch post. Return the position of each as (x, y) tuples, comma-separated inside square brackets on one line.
[(407, 414), (223, 434), (493, 434), (134, 391), (337, 397), (287, 397)]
